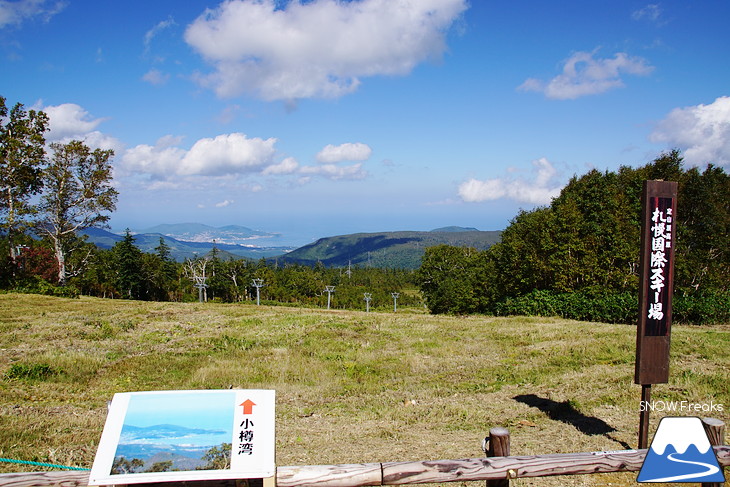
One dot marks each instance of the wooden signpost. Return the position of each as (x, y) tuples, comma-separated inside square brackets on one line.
[(656, 274)]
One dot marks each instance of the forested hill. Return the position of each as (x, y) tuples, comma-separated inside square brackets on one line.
[(388, 249)]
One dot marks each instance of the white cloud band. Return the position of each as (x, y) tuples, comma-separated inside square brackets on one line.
[(319, 48)]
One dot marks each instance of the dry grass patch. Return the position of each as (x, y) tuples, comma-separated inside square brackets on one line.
[(351, 387)]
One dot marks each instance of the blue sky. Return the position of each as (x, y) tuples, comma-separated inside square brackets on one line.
[(328, 117)]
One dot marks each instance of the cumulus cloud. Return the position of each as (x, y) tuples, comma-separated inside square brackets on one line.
[(69, 121), (160, 160), (539, 189), (345, 152), (287, 166), (320, 48), (224, 155), (227, 154), (702, 132), (224, 203), (584, 75), (16, 12)]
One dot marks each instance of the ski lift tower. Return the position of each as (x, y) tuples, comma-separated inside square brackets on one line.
[(395, 301), (329, 290), (258, 284), (368, 297)]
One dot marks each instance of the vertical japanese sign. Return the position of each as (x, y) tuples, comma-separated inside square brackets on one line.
[(659, 217), (253, 443)]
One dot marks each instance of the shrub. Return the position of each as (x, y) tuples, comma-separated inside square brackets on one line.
[(607, 307), (31, 371), (37, 285), (702, 309)]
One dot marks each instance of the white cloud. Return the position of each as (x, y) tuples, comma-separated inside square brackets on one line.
[(227, 154), (335, 172), (161, 160), (539, 189), (585, 75), (152, 33), (651, 12), (702, 132), (344, 152), (287, 166), (15, 12), (155, 77), (224, 203), (319, 48), (69, 121)]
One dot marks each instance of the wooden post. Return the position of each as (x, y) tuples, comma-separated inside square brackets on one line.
[(644, 417), (715, 430), (498, 447), (656, 285)]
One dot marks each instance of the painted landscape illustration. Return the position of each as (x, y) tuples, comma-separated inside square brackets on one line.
[(175, 432)]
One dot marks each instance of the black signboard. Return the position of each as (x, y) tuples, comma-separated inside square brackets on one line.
[(659, 217)]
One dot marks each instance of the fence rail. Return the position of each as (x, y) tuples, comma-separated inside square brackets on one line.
[(495, 469), (402, 473)]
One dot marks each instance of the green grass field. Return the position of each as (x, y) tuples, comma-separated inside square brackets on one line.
[(351, 387)]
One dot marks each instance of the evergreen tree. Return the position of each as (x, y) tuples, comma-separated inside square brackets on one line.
[(128, 264)]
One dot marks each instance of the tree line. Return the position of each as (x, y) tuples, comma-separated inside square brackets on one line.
[(579, 256), (48, 195)]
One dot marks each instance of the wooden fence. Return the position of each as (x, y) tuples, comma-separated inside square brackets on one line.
[(493, 468)]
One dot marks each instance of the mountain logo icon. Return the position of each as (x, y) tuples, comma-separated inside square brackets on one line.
[(680, 452)]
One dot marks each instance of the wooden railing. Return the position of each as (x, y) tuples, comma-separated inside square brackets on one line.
[(494, 468)]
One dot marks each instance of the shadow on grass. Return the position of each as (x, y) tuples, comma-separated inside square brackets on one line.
[(565, 412)]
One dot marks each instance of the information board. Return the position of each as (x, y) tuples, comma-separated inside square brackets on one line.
[(164, 436)]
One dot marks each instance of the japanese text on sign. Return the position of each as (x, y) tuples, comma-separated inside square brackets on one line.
[(246, 437), (661, 233)]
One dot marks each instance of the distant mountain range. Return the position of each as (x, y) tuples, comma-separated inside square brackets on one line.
[(385, 249), (198, 232), (181, 249), (388, 249)]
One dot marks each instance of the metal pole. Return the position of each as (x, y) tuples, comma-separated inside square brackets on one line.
[(395, 301)]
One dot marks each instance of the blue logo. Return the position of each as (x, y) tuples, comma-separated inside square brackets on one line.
[(680, 452)]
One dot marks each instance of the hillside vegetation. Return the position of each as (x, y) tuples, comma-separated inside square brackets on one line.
[(579, 256), (351, 386), (402, 250)]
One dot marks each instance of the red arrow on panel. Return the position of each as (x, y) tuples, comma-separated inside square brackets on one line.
[(248, 405)]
